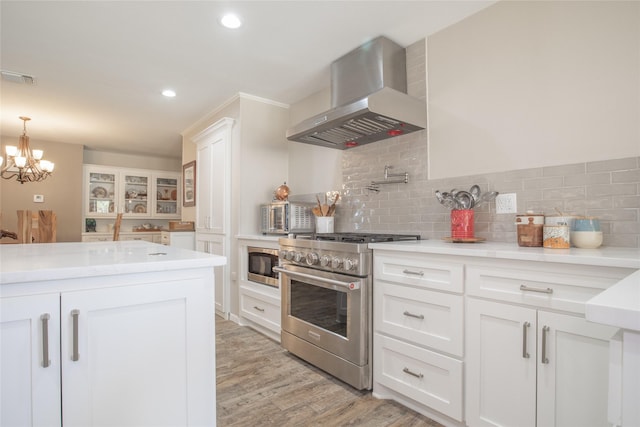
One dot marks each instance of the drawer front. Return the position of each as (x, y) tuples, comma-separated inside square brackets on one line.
[(97, 238), (420, 270), (261, 309), (433, 319), (427, 377), (165, 239), (146, 238), (562, 287)]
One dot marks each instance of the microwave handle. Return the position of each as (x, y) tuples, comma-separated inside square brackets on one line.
[(352, 286)]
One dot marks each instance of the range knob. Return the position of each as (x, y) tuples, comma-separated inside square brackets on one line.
[(350, 264), (325, 260), (312, 258), (336, 262), (288, 255), (298, 256), (282, 253)]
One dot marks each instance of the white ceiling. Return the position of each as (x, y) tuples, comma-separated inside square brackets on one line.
[(100, 65)]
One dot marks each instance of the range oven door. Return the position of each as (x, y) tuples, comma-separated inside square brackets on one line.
[(331, 311)]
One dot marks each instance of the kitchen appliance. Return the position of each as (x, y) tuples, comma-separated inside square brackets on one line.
[(283, 217), (261, 262), (327, 296), (369, 100)]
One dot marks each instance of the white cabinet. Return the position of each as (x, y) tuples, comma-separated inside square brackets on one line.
[(30, 360), (135, 193), (213, 202), (181, 239), (215, 244), (525, 365), (131, 354), (418, 335)]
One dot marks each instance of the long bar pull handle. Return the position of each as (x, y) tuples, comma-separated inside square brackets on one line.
[(45, 340), (414, 273), (75, 356), (408, 371), (417, 316), (541, 290), (544, 359), (525, 354)]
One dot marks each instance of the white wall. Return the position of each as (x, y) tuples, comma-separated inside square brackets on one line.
[(529, 84)]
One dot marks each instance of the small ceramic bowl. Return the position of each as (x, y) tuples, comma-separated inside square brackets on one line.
[(586, 239), (586, 224)]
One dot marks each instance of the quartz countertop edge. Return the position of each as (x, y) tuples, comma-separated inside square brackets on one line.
[(58, 261), (618, 305), (603, 256)]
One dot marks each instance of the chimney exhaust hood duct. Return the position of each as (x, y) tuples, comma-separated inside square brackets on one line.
[(369, 100)]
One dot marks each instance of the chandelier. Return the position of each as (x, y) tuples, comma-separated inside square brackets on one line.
[(24, 164)]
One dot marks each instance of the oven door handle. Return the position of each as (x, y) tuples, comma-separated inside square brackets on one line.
[(349, 285)]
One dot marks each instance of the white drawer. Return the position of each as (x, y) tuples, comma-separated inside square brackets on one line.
[(427, 271), (260, 308), (433, 319), (427, 377), (141, 236), (558, 286), (165, 239), (97, 238)]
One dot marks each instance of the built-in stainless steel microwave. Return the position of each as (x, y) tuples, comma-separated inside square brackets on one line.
[(261, 263), (286, 217)]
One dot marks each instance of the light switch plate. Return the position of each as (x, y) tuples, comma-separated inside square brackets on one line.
[(38, 198)]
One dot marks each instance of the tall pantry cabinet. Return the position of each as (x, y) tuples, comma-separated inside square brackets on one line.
[(213, 189), (241, 157)]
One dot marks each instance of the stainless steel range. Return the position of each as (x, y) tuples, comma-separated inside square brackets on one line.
[(326, 287)]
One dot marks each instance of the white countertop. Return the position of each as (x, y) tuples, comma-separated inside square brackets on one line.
[(603, 256), (617, 306), (52, 261)]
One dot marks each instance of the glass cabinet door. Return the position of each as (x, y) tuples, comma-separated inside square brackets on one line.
[(167, 196), (136, 194), (102, 193)]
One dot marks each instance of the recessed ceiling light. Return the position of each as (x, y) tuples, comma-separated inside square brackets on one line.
[(169, 93), (231, 21)]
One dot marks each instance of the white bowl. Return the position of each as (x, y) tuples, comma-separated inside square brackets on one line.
[(586, 239)]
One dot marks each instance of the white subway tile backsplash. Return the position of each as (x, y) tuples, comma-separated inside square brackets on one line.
[(613, 165)]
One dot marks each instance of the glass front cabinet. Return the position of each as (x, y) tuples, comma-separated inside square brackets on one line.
[(134, 193)]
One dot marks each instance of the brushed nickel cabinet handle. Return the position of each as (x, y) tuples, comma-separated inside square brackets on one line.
[(45, 340), (75, 356), (258, 308), (541, 290), (544, 358), (525, 354), (413, 374), (417, 316), (414, 273)]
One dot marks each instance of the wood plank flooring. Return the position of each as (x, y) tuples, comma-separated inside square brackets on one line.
[(260, 384)]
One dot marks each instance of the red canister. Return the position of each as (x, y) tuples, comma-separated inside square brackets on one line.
[(462, 223)]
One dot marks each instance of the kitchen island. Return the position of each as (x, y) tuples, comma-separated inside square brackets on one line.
[(108, 333)]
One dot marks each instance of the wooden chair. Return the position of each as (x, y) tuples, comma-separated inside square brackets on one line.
[(36, 227), (116, 228)]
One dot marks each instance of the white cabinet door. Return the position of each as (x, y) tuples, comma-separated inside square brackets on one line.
[(203, 195), (101, 191), (501, 365), (166, 195), (215, 244), (573, 366), (137, 357), (29, 390)]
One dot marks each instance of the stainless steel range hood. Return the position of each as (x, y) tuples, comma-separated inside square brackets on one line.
[(368, 100)]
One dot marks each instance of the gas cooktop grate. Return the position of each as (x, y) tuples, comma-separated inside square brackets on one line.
[(364, 237)]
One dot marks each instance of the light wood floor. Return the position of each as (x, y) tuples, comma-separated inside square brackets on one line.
[(260, 384)]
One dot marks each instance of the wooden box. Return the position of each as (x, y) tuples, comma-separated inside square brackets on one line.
[(181, 226)]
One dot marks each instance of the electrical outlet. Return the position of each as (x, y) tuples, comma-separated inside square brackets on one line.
[(506, 203), (38, 198)]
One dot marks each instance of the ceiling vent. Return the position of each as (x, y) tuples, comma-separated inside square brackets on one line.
[(20, 78)]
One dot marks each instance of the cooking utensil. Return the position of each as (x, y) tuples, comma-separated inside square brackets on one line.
[(487, 197), (464, 200), (475, 192)]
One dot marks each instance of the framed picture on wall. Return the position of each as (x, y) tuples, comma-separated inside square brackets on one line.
[(189, 184)]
